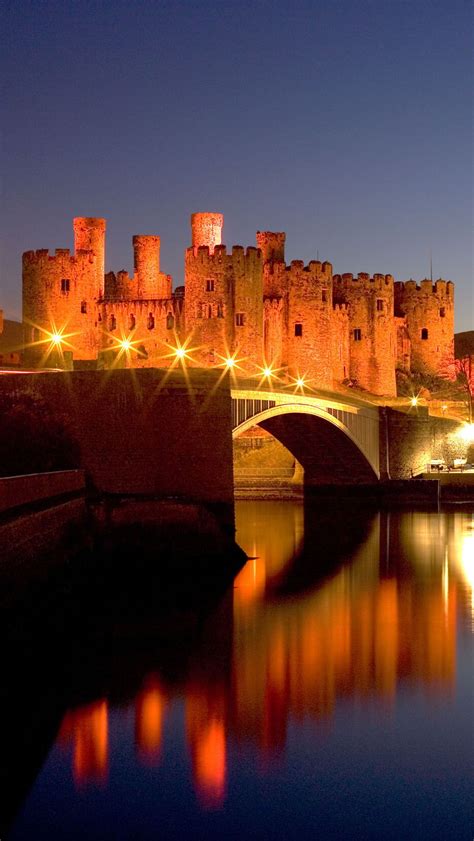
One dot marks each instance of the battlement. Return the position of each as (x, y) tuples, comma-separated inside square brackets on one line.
[(442, 288), (158, 306), (348, 281), (315, 267), (42, 257), (120, 286), (204, 254)]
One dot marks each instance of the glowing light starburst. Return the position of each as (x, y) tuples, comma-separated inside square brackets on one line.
[(267, 373), (53, 341), (123, 347), (180, 352), (300, 384), (230, 362)]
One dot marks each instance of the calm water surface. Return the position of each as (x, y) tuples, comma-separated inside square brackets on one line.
[(328, 695)]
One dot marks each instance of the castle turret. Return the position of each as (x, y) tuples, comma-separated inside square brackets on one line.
[(272, 246), (372, 340), (151, 283), (89, 235), (207, 230), (429, 313)]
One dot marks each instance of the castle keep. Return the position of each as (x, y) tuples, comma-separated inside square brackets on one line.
[(301, 321)]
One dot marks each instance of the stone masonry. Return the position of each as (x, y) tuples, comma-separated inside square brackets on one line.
[(302, 321)]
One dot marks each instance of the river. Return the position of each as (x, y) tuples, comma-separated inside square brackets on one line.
[(328, 694)]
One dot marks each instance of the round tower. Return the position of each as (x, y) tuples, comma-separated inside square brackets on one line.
[(272, 246), (207, 230), (89, 235), (146, 256), (429, 312), (372, 340)]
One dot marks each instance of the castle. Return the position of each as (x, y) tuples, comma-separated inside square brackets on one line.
[(302, 322)]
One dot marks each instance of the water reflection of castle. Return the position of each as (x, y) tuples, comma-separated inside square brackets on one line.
[(360, 635)]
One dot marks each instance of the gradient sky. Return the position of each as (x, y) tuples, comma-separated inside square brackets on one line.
[(345, 123)]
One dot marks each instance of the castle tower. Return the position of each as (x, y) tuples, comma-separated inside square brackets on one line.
[(275, 292), (89, 235), (207, 230), (272, 246), (429, 312), (309, 349), (372, 339), (62, 293), (224, 295), (151, 283)]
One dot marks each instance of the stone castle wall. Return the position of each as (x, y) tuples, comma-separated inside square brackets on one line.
[(300, 320), (372, 338), (429, 313)]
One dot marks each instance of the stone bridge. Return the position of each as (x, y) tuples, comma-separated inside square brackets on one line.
[(169, 433)]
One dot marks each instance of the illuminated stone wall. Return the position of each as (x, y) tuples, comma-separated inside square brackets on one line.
[(429, 313), (414, 438), (300, 320), (224, 303), (372, 339)]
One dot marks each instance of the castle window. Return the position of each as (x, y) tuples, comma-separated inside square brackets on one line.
[(209, 286), (357, 334), (324, 296), (220, 311), (65, 284), (298, 329), (169, 321), (112, 322), (424, 333), (151, 321), (209, 311), (84, 307), (132, 322), (240, 319), (379, 305), (442, 312)]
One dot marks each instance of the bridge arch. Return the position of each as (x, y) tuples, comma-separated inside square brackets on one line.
[(329, 451)]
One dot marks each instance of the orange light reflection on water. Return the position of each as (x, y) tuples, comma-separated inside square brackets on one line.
[(205, 732), (150, 707), (87, 729)]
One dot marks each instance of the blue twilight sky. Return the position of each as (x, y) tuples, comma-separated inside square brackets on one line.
[(345, 123)]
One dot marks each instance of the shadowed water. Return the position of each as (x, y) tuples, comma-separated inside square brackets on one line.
[(327, 694)]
